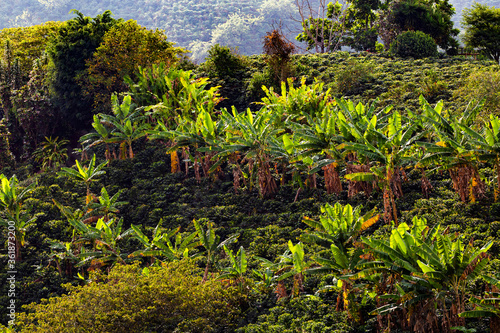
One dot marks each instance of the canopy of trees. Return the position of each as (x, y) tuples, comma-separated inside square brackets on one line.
[(123, 49)]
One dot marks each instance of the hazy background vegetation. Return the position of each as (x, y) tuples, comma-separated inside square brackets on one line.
[(193, 24)]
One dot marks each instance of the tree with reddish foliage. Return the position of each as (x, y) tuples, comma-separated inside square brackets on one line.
[(278, 55)]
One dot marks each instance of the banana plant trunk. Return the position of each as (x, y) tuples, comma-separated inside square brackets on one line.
[(267, 184), (18, 249), (205, 274), (390, 211), (332, 179)]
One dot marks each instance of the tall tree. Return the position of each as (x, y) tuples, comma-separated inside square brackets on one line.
[(323, 28), (432, 17), (362, 25), (482, 28), (68, 50), (125, 46)]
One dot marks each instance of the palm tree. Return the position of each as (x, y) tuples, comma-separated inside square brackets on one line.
[(52, 153)]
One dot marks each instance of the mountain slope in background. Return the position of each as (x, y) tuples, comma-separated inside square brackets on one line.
[(193, 24)]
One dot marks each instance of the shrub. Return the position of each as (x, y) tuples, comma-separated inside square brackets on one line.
[(481, 84), (379, 47), (303, 314), (431, 85), (415, 44), (350, 80), (159, 299), (259, 79)]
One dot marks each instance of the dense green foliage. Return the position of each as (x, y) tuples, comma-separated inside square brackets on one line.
[(192, 24), (68, 51), (482, 28), (326, 193)]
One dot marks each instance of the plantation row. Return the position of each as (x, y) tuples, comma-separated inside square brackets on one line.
[(301, 132)]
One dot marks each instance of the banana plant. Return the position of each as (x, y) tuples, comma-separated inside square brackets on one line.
[(162, 245), (424, 272), (64, 256), (107, 206), (238, 266), (170, 94), (485, 307), (285, 152), (203, 135), (87, 174), (297, 103), (487, 144), (389, 152), (338, 230), (251, 138), (272, 275), (292, 263), (97, 245), (125, 134), (453, 149), (211, 242), (103, 240), (121, 112), (12, 197), (320, 137), (126, 125), (298, 266), (101, 135), (353, 124)]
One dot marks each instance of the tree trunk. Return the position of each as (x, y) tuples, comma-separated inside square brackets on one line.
[(18, 250), (205, 275)]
